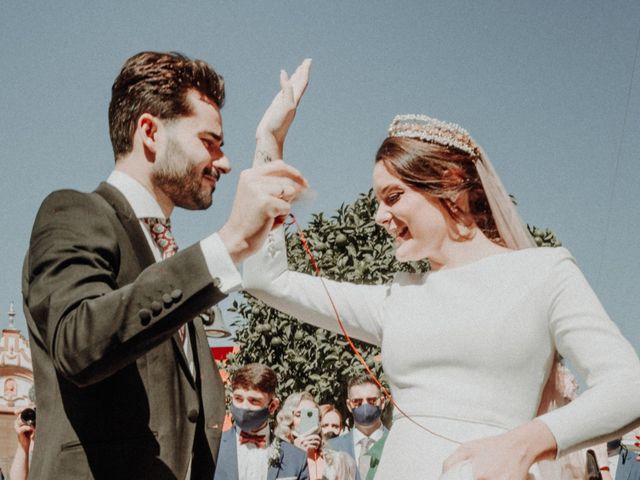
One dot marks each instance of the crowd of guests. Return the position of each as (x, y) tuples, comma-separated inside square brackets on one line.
[(129, 388), (307, 441), (300, 439)]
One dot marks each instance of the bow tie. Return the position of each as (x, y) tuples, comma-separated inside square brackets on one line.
[(259, 441)]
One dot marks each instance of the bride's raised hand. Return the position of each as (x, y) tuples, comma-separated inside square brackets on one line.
[(274, 125)]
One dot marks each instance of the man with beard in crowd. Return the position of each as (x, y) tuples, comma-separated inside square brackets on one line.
[(365, 402)]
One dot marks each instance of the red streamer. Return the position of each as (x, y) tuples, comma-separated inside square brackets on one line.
[(355, 350)]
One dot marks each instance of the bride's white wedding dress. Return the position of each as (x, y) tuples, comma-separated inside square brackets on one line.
[(467, 350)]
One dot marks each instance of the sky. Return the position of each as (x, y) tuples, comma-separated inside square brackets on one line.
[(548, 88)]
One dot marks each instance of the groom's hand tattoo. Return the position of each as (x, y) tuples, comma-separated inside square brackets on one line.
[(266, 158)]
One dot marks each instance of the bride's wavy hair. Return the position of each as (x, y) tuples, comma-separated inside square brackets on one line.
[(444, 173)]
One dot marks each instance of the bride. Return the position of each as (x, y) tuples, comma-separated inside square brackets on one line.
[(468, 346)]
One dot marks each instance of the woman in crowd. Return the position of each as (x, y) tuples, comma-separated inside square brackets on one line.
[(331, 424), (288, 428), (467, 347)]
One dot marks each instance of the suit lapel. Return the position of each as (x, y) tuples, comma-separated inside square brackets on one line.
[(143, 253), (272, 473), (193, 327), (273, 470), (129, 221), (352, 448), (227, 468), (182, 357), (628, 467)]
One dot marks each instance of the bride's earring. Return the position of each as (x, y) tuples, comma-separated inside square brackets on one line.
[(463, 228)]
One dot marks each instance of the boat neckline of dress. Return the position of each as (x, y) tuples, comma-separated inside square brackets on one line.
[(482, 260)]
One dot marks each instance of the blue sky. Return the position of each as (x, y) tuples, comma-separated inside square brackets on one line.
[(546, 87)]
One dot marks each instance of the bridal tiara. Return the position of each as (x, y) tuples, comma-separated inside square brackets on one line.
[(435, 131), (512, 230)]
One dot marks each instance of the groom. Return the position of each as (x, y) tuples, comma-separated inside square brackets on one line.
[(127, 387)]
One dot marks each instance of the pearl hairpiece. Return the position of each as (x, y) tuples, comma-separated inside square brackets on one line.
[(435, 131)]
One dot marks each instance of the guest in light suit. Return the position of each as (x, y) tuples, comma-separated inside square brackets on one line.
[(365, 402), (249, 450)]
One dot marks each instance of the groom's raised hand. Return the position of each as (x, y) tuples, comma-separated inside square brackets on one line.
[(264, 194)]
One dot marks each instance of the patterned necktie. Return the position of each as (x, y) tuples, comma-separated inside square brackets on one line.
[(160, 229), (259, 441), (364, 459)]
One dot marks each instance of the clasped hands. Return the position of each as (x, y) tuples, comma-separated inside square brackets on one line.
[(266, 191)]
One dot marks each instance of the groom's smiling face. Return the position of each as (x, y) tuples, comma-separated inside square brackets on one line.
[(190, 160)]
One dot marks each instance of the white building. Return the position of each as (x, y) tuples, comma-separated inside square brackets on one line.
[(16, 385)]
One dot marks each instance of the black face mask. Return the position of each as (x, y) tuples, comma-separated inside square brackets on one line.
[(329, 435), (249, 420), (366, 414)]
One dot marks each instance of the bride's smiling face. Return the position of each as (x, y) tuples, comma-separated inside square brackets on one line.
[(415, 220)]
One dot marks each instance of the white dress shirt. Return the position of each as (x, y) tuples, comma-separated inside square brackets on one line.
[(358, 436), (253, 462)]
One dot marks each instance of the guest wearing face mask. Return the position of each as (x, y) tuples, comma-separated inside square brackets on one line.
[(249, 451), (365, 402), (331, 424)]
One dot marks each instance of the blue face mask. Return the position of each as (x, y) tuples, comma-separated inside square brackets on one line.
[(249, 420), (366, 414)]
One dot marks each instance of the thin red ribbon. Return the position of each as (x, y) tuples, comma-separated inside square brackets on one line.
[(355, 350)]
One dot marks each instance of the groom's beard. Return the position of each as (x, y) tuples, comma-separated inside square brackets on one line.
[(179, 177)]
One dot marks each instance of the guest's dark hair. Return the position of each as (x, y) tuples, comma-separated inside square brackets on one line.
[(157, 83), (256, 376), (363, 379)]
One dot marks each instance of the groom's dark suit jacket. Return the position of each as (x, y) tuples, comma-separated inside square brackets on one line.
[(115, 397)]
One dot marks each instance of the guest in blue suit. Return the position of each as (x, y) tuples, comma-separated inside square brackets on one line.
[(249, 451), (628, 467), (365, 402)]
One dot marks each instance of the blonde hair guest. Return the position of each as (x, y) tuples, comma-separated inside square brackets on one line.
[(287, 414), (288, 429)]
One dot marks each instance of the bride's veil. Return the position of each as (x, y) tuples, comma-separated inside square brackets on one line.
[(515, 234)]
